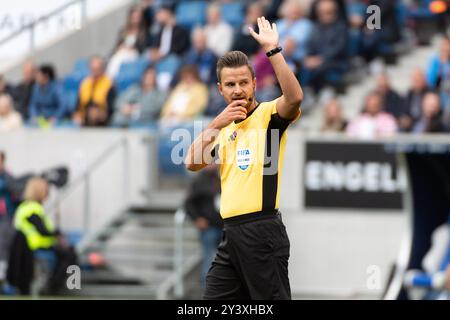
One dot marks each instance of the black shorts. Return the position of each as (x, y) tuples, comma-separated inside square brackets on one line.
[(251, 260)]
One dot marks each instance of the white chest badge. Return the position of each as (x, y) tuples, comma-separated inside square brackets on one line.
[(243, 158)]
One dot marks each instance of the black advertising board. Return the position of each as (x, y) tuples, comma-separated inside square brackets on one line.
[(352, 175)]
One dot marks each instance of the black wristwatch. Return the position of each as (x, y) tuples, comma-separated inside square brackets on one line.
[(273, 51)]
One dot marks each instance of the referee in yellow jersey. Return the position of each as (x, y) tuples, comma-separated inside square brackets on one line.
[(247, 139)]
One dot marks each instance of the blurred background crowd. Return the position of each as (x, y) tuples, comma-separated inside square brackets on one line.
[(162, 67)]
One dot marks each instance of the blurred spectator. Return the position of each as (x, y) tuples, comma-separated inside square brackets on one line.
[(36, 235), (413, 101), (392, 101), (167, 36), (356, 12), (96, 96), (188, 99), (148, 12), (272, 9), (140, 104), (327, 50), (295, 26), (6, 198), (216, 103), (267, 85), (431, 120), (293, 62), (204, 58), (380, 41), (24, 90), (439, 65), (134, 34), (333, 120), (132, 41), (243, 41), (5, 88), (373, 122), (219, 34), (437, 261), (9, 118), (340, 5), (202, 206), (6, 212), (47, 100)]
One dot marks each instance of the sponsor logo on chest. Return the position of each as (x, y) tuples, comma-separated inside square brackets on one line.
[(243, 158)]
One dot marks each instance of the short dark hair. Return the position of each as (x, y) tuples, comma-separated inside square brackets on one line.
[(2, 156), (48, 71), (233, 59)]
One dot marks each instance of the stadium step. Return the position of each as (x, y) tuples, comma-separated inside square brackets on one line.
[(138, 250)]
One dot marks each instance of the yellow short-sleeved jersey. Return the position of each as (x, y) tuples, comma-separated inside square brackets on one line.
[(250, 153)]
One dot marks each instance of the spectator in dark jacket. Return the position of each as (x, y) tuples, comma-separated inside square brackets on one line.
[(243, 41), (203, 57), (202, 206), (46, 100), (431, 120), (24, 90), (168, 37), (413, 100), (7, 207), (341, 10), (392, 101), (379, 41), (327, 59), (7, 203), (5, 88)]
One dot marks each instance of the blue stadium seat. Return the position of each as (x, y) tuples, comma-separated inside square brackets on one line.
[(72, 81), (170, 64), (81, 66), (123, 82), (191, 13), (233, 13), (130, 73), (70, 98), (134, 67)]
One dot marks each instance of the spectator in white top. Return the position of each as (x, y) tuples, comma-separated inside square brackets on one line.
[(373, 122), (9, 118), (132, 42), (219, 34)]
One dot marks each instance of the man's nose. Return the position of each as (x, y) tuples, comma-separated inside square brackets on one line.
[(237, 90)]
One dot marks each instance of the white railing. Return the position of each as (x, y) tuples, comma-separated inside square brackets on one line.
[(85, 179), (182, 264)]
